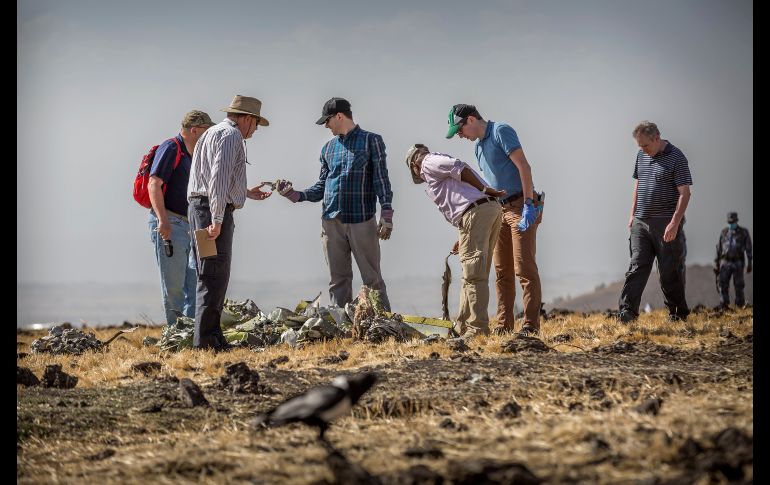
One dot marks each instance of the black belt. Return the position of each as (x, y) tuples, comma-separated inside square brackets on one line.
[(205, 201), (171, 213), (512, 198), (479, 202)]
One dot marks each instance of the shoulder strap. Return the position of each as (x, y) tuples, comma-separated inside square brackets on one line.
[(176, 161), (178, 154)]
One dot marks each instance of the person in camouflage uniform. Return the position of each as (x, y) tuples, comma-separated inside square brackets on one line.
[(733, 242)]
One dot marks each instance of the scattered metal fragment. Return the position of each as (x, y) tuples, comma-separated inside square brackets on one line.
[(446, 281), (190, 394), (457, 344), (102, 455), (335, 359), (431, 339), (649, 406), (523, 343), (239, 379), (150, 341), (480, 378), (55, 377), (278, 360), (485, 470), (428, 451), (147, 368), (62, 340), (26, 377)]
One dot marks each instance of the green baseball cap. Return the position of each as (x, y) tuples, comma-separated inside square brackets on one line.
[(457, 116), (455, 122)]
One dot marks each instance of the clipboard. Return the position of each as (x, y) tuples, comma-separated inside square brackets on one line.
[(204, 246)]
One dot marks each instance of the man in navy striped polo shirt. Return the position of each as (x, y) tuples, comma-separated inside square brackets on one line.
[(661, 195), (353, 176)]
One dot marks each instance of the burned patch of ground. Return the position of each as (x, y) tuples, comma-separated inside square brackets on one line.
[(551, 417)]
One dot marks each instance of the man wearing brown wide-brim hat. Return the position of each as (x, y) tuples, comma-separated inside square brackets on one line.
[(217, 187), (247, 106)]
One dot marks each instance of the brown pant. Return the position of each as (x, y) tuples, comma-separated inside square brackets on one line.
[(478, 234), (515, 256)]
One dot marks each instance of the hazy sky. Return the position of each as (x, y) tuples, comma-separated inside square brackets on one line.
[(100, 82)]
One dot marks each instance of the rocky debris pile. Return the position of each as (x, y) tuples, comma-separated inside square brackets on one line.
[(146, 368), (26, 377), (66, 341), (239, 379), (726, 456), (372, 323), (62, 340), (246, 325), (53, 376), (190, 394), (178, 335), (524, 343)]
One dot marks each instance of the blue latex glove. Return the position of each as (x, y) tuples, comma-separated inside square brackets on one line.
[(528, 216)]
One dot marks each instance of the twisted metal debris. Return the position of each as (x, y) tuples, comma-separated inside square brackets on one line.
[(62, 340), (246, 325)]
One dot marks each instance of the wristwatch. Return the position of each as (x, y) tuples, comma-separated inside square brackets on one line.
[(529, 201)]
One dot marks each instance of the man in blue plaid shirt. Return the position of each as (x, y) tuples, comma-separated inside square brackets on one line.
[(353, 176)]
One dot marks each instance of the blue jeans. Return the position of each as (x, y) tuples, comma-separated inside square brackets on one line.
[(177, 273)]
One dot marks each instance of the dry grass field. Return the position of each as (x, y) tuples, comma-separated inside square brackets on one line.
[(579, 413)]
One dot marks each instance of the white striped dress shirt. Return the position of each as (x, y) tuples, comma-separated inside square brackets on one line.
[(218, 168)]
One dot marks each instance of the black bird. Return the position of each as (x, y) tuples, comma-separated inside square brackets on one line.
[(321, 405)]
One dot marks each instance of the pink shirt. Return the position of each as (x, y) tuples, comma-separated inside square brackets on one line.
[(451, 195)]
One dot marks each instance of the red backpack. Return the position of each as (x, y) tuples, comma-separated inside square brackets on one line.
[(142, 180)]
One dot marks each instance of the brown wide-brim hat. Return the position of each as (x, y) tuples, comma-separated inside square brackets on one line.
[(247, 106)]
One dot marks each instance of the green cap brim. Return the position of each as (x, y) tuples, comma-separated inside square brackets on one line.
[(453, 129)]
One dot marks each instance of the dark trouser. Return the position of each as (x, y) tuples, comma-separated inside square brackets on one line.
[(645, 244), (213, 275), (734, 269)]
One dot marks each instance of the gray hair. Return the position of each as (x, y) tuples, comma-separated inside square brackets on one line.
[(646, 128), (237, 116)]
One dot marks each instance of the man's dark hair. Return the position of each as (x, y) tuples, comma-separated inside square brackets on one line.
[(466, 110), (348, 114)]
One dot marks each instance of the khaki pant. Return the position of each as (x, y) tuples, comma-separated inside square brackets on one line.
[(479, 228), (340, 241), (515, 256)]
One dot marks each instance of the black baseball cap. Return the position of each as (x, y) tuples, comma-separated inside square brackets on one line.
[(331, 108)]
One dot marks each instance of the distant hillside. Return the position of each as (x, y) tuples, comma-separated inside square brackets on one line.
[(700, 288)]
